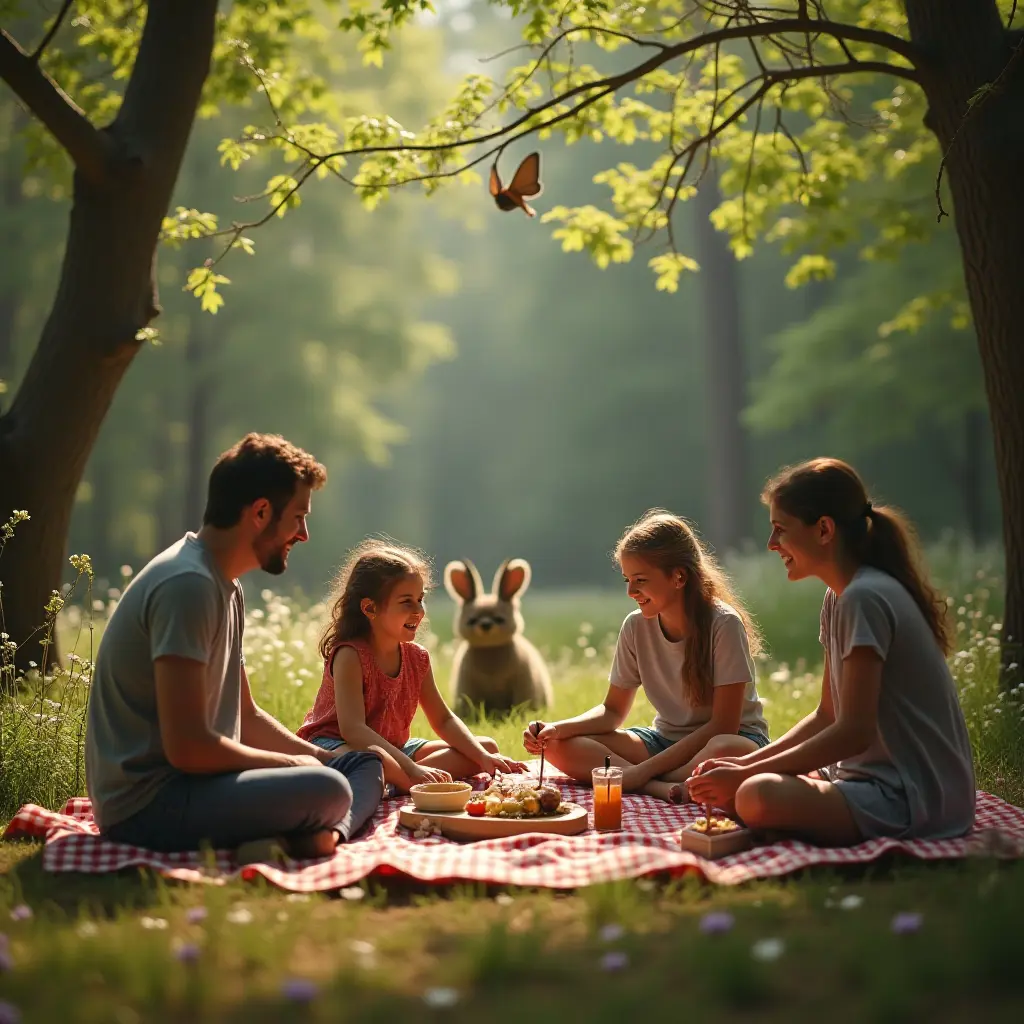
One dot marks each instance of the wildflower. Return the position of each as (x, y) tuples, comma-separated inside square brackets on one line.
[(612, 932), (614, 961), (187, 952), (6, 960), (440, 998), (195, 915), (851, 902), (239, 915), (361, 948), (767, 949), (352, 892), (717, 922), (503, 899), (297, 897), (9, 1013), (87, 930), (299, 990), (22, 912), (154, 923), (906, 923)]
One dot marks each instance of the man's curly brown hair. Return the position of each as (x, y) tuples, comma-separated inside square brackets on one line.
[(258, 466)]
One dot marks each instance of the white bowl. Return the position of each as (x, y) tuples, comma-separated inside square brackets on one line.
[(441, 796)]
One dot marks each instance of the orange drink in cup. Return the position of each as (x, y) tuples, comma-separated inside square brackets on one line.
[(607, 784)]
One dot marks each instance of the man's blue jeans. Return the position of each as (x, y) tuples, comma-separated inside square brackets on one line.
[(227, 810)]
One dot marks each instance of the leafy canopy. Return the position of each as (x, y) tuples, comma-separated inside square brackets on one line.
[(794, 110)]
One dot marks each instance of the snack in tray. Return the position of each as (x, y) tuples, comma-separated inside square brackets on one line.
[(504, 799), (713, 826)]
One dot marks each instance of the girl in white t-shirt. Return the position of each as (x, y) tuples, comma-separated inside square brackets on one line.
[(689, 645)]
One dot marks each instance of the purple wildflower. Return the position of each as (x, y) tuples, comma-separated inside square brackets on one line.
[(906, 923), (299, 990), (6, 960), (22, 912), (614, 961), (187, 953), (717, 922), (9, 1013), (195, 915)]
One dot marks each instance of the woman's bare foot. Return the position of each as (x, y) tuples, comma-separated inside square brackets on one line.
[(672, 792)]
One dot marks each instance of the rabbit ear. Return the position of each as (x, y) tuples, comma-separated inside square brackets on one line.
[(512, 578), (462, 581)]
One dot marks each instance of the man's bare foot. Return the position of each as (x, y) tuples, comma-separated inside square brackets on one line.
[(311, 845), (673, 792), (272, 850)]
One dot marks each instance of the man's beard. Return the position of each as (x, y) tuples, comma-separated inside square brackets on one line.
[(275, 563), (273, 560)]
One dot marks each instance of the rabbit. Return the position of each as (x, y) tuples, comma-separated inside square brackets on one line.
[(495, 665)]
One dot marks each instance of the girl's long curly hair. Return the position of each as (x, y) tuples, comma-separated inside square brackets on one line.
[(371, 570)]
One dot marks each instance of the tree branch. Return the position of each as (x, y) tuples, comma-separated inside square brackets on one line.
[(87, 147), (52, 31), (586, 94)]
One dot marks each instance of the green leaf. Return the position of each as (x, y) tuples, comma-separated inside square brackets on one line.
[(667, 268), (811, 267)]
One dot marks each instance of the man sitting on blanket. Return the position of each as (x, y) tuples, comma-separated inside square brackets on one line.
[(178, 754)]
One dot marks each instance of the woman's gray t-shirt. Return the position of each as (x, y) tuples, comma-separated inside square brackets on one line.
[(920, 762), (645, 657)]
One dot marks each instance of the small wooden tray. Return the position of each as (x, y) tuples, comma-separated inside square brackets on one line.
[(460, 825), (721, 844)]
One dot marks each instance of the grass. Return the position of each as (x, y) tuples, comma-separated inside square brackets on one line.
[(124, 948)]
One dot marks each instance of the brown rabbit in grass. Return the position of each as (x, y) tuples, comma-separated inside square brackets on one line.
[(495, 665)]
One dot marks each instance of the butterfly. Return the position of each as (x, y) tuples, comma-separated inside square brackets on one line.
[(525, 182)]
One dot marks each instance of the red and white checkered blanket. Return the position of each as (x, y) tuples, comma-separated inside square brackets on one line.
[(647, 845)]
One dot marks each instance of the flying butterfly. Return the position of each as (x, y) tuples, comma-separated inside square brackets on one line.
[(525, 182)]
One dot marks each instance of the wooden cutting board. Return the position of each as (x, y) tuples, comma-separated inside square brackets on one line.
[(460, 825)]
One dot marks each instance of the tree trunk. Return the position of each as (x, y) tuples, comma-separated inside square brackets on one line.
[(725, 393), (105, 295), (968, 49)]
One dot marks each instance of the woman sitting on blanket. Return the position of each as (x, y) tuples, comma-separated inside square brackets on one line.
[(888, 724), (688, 644), (375, 676)]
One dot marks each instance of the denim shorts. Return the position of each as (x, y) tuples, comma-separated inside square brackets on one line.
[(410, 748), (656, 743)]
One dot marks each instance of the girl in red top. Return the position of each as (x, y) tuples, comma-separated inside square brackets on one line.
[(375, 676)]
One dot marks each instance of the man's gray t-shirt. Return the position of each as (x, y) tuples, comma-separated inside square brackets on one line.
[(644, 656), (179, 604), (922, 752)]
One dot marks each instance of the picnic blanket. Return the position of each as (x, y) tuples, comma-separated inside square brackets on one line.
[(647, 845)]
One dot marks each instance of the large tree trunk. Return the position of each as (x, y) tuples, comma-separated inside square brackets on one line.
[(106, 294), (728, 520), (968, 49)]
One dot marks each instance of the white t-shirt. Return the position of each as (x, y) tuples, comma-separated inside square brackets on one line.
[(645, 657)]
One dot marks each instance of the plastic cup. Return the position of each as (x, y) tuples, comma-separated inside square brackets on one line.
[(607, 784)]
